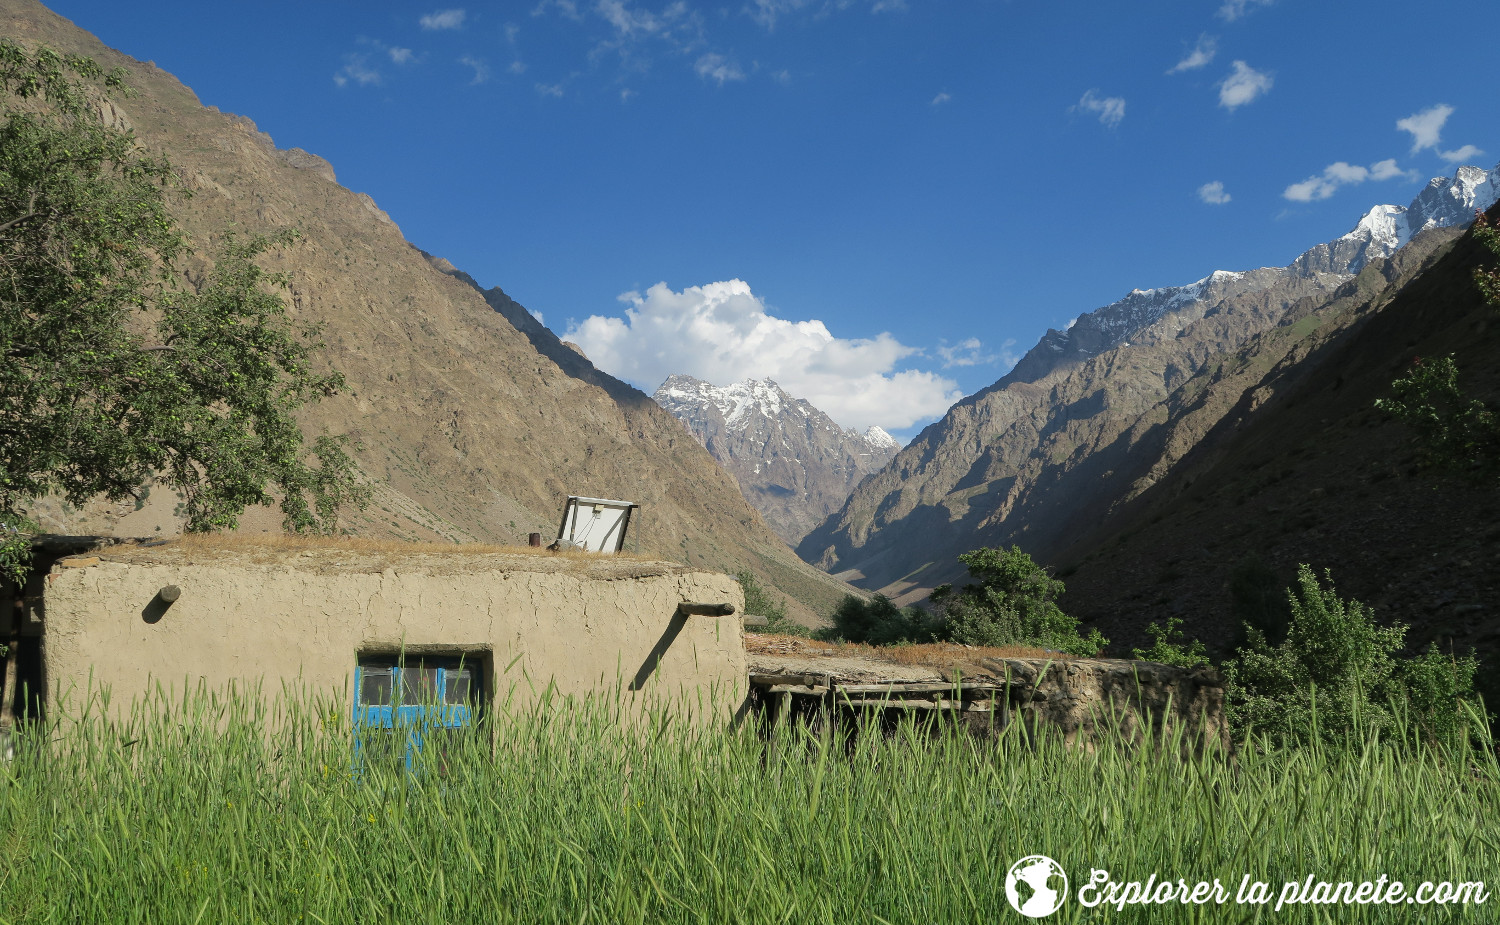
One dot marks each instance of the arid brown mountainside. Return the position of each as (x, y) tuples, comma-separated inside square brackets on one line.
[(471, 428), (1283, 458)]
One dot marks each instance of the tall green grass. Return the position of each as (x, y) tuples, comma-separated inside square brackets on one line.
[(233, 807)]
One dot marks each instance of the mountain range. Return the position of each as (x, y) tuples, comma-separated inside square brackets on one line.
[(1276, 455), (1042, 455), (792, 462)]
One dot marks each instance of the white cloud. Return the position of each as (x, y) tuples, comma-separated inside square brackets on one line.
[(567, 8), (766, 12), (1243, 86), (941, 98), (1339, 174), (480, 68), (783, 77), (716, 67), (628, 22), (401, 55), (356, 70), (1213, 193), (511, 31), (1466, 153), (1235, 9), (1109, 109), (1426, 128), (1200, 56), (626, 94), (970, 352), (537, 315), (723, 333), (444, 19), (517, 67), (554, 90)]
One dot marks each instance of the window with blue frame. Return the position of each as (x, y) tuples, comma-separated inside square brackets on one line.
[(408, 709)]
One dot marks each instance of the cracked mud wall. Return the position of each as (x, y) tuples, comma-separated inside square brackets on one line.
[(579, 627)]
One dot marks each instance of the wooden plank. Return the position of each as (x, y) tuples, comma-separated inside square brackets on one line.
[(8, 690), (819, 690), (967, 706), (803, 679), (920, 687)]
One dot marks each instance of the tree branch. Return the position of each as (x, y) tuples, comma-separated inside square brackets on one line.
[(17, 221)]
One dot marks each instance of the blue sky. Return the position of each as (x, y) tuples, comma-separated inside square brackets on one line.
[(880, 203)]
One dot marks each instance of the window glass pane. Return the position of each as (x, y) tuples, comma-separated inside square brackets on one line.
[(419, 684), (459, 683), (375, 685)]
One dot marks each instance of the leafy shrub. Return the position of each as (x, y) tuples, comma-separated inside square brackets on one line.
[(1169, 651), (758, 601), (1451, 428), (1337, 673), (1436, 685), (1010, 602), (879, 622)]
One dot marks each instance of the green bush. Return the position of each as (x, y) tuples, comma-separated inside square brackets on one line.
[(1338, 673), (1170, 651), (1451, 428), (1437, 685), (1010, 602), (758, 601), (879, 622)]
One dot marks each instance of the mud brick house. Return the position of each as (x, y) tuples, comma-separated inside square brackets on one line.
[(377, 625)]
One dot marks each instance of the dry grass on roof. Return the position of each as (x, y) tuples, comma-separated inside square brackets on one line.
[(937, 655), (299, 542), (321, 553)]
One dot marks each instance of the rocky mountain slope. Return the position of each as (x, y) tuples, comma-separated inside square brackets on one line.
[(1282, 458), (1040, 456), (475, 422), (793, 463)]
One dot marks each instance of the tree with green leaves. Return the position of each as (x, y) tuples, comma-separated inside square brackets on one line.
[(1338, 672), (1012, 601), (113, 374), (1451, 428)]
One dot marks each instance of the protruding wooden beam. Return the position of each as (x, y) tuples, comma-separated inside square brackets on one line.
[(705, 609)]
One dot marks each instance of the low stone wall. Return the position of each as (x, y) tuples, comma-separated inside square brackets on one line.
[(303, 619), (1085, 698)]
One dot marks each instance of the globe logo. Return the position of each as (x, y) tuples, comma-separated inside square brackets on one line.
[(1036, 886)]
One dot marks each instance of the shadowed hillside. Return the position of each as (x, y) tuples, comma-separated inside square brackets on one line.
[(1041, 456), (1283, 458)]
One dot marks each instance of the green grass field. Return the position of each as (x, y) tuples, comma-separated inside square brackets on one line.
[(225, 808)]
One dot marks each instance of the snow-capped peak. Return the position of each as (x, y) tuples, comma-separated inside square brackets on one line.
[(879, 438)]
